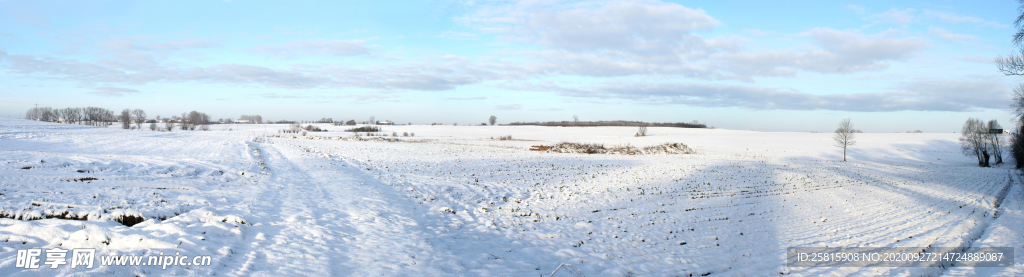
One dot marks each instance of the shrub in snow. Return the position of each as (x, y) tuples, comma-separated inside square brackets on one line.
[(642, 132)]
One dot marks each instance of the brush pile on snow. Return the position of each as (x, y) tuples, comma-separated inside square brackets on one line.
[(598, 148)]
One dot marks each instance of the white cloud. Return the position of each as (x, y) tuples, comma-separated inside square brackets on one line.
[(893, 15), (280, 96), (121, 72), (919, 95), (621, 26), (836, 52), (466, 98), (646, 28), (308, 47), (112, 91), (142, 53), (855, 8), (607, 39), (946, 35), (510, 107), (953, 18), (962, 19), (988, 60)]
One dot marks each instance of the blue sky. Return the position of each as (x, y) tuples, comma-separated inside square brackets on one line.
[(757, 65)]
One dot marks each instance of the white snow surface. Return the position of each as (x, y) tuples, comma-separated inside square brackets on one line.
[(452, 201)]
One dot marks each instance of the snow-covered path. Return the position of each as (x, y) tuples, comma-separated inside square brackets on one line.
[(323, 217)]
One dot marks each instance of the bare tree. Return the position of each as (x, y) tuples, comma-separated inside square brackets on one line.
[(845, 136), (576, 119), (40, 114), (1017, 146), (74, 115), (994, 131), (1017, 140), (1014, 65), (372, 118), (139, 116), (974, 141), (60, 115), (492, 120), (193, 119), (126, 119)]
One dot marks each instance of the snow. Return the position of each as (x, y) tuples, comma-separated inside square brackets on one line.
[(454, 201)]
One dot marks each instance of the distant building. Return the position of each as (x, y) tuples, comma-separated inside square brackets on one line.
[(386, 122), (242, 121)]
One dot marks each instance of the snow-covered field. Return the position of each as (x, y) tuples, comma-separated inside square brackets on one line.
[(453, 201)]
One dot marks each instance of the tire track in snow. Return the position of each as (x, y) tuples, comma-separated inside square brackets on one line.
[(319, 217), (285, 237)]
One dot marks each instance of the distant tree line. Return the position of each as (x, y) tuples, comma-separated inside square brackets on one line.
[(89, 115), (350, 122), (611, 123), (254, 119)]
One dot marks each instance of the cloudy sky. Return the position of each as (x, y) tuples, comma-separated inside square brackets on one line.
[(890, 66)]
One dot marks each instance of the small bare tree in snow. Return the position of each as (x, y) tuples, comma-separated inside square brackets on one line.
[(492, 120), (126, 119), (845, 136), (642, 132), (974, 140), (139, 116)]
